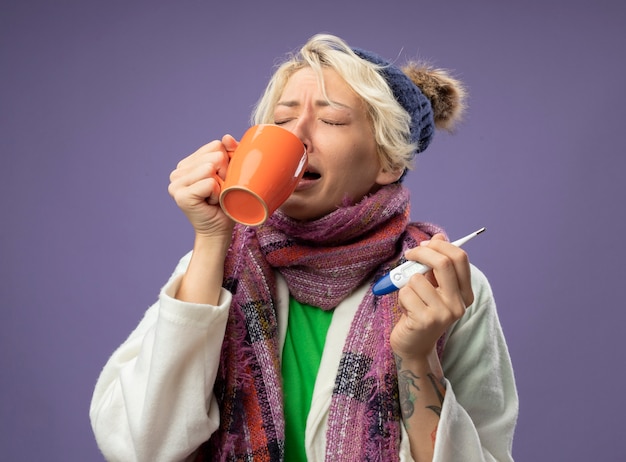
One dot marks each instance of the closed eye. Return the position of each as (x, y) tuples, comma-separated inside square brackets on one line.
[(332, 123), (281, 122)]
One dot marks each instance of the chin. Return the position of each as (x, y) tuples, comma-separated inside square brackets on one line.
[(298, 210), (297, 214)]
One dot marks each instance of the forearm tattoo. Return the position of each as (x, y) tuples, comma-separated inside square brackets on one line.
[(440, 388), (409, 388)]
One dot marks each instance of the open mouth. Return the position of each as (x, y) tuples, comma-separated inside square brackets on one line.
[(310, 175), (309, 179)]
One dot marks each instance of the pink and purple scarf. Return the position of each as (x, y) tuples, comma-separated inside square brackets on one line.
[(323, 262)]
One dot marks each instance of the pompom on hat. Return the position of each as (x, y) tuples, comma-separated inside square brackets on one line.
[(409, 96), (431, 96)]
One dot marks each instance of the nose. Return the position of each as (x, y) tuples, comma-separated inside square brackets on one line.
[(302, 129)]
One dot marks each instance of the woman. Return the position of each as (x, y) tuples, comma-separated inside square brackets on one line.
[(268, 344)]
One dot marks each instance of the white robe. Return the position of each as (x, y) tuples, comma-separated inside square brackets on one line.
[(153, 401)]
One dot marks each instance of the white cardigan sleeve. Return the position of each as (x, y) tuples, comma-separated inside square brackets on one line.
[(153, 400), (480, 408)]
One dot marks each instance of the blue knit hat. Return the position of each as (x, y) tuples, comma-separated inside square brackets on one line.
[(410, 98)]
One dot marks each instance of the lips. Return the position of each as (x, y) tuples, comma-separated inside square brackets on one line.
[(309, 178)]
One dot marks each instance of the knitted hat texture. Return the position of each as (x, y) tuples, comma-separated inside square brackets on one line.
[(409, 96)]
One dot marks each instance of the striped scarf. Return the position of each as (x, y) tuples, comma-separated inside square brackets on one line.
[(323, 262)]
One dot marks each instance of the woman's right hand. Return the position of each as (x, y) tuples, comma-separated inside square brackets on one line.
[(196, 191)]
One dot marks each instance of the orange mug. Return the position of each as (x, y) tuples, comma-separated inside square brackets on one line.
[(263, 172)]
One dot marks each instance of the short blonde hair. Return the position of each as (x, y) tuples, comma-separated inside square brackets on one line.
[(390, 122)]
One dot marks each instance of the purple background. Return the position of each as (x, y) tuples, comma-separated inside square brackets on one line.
[(99, 101)]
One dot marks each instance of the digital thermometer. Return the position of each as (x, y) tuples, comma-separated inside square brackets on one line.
[(399, 276)]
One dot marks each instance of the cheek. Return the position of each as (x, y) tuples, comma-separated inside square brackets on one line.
[(356, 180), (356, 156), (363, 165)]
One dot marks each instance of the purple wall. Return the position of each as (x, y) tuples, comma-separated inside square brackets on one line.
[(99, 100)]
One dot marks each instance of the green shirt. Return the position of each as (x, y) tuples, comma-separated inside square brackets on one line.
[(304, 343)]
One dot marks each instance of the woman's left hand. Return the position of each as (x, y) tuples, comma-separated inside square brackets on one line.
[(434, 301)]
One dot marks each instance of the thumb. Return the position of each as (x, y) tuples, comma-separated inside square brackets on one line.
[(230, 143), (436, 237)]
